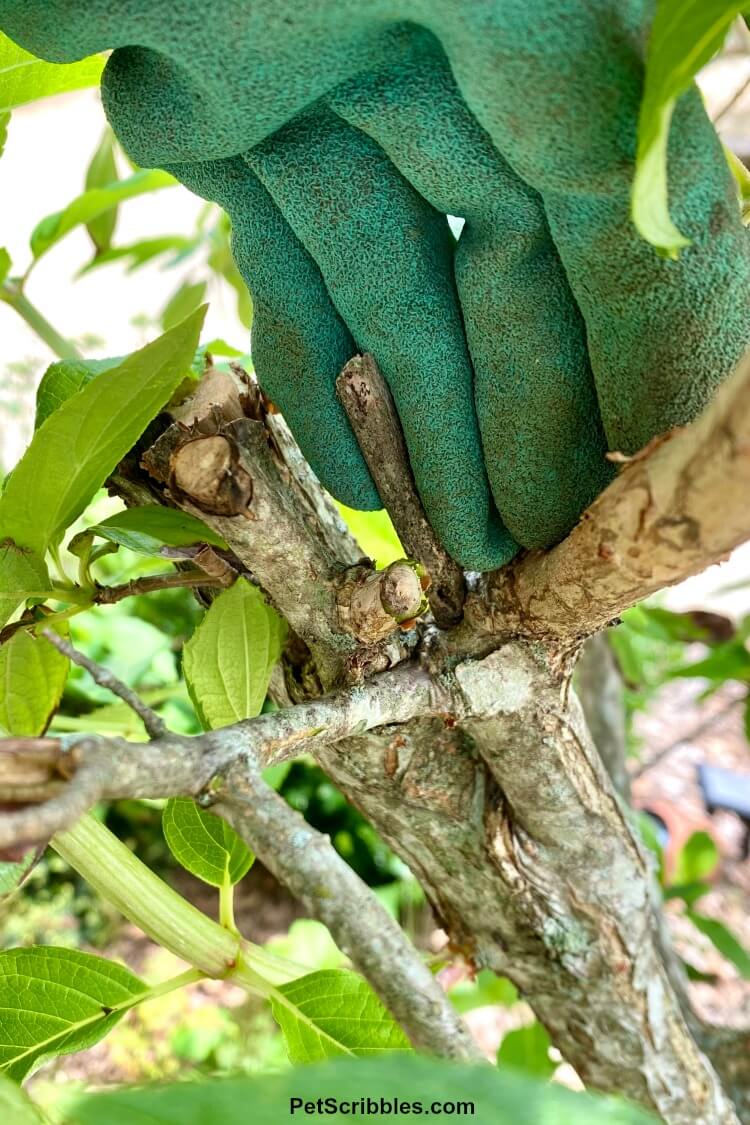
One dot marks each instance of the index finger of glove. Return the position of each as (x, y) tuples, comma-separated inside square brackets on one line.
[(387, 260), (299, 341)]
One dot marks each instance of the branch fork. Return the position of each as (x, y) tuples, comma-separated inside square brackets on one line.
[(479, 772)]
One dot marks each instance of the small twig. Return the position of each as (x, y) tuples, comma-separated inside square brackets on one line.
[(367, 401), (108, 595), (155, 727), (175, 765), (307, 863)]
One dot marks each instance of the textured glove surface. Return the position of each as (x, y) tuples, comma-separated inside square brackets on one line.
[(338, 135)]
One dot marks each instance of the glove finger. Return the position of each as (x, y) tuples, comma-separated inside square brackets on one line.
[(661, 333), (541, 432), (387, 260), (299, 341)]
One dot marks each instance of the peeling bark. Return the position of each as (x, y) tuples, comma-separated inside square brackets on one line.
[(472, 758)]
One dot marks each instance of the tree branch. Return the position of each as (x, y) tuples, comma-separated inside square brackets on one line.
[(307, 863), (154, 725), (227, 765), (178, 765), (510, 823), (677, 507), (244, 477), (367, 401)]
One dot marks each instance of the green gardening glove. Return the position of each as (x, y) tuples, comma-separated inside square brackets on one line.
[(338, 135)]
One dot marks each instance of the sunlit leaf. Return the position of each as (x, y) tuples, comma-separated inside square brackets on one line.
[(54, 1001), (229, 659), (334, 1012), (724, 940), (374, 533), (21, 573), (24, 78), (204, 843), (16, 1108), (182, 303), (101, 172), (697, 859), (32, 677), (79, 445), (63, 379), (527, 1049), (684, 36), (91, 204)]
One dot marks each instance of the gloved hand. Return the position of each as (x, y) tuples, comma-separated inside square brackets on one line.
[(338, 135)]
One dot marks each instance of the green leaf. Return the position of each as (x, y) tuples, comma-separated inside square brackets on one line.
[(374, 533), (334, 1012), (204, 843), (13, 874), (723, 940), (527, 1049), (4, 262), (91, 204), (32, 678), (61, 380), (21, 573), (78, 446), (684, 36), (139, 253), (24, 78), (229, 659), (16, 1107), (729, 661), (221, 347), (485, 1095), (102, 172), (307, 943), (698, 975), (147, 529), (187, 297), (54, 1001), (696, 860), (742, 182), (689, 893), (665, 625), (485, 990)]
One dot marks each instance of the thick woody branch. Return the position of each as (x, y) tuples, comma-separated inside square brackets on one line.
[(235, 466), (678, 506), (175, 765), (367, 401), (306, 862), (227, 765), (502, 809)]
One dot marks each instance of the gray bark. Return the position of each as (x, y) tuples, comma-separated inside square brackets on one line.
[(472, 758)]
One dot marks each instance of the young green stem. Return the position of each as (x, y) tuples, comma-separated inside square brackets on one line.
[(226, 905), (145, 899), (12, 294), (119, 877)]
